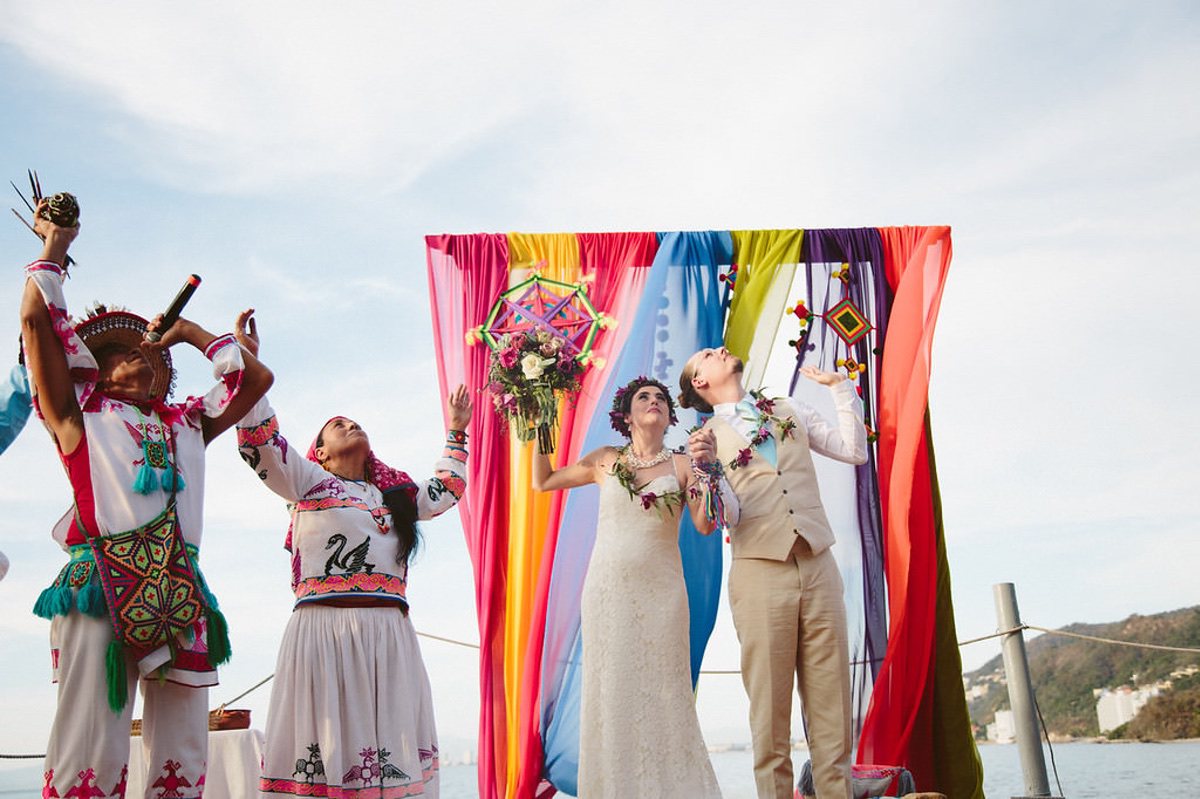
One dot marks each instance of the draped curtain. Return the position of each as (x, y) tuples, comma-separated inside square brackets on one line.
[(918, 714), (513, 530), (529, 552)]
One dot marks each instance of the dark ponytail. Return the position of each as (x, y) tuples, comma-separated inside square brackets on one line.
[(403, 508)]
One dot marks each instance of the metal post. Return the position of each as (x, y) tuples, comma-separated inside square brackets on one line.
[(1020, 693)]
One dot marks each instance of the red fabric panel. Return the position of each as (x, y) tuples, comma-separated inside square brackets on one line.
[(899, 723)]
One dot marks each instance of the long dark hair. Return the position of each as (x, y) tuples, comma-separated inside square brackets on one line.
[(403, 509)]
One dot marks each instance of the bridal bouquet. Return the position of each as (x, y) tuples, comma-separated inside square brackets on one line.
[(528, 373)]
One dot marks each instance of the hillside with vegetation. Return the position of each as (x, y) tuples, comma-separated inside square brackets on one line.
[(1066, 670)]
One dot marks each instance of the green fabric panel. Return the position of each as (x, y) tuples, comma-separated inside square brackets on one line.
[(958, 770)]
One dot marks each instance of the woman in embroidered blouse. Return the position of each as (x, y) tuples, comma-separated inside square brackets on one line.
[(350, 705), (639, 735)]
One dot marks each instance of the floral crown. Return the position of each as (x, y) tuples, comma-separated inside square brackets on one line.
[(620, 405)]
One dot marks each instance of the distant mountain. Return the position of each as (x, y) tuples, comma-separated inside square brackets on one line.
[(1066, 670)]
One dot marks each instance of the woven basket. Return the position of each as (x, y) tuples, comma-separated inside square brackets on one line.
[(223, 718)]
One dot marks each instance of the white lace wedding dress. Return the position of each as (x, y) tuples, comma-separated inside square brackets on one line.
[(639, 735)]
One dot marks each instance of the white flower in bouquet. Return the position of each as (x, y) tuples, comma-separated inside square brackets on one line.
[(532, 366)]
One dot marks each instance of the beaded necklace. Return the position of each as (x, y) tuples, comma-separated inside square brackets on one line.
[(623, 470), (157, 455)]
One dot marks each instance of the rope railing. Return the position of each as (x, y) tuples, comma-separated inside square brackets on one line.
[(997, 634)]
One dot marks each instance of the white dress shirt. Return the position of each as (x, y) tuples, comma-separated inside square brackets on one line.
[(846, 443)]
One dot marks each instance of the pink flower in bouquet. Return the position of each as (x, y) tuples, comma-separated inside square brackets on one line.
[(509, 357), (566, 362), (506, 402), (517, 341), (549, 348)]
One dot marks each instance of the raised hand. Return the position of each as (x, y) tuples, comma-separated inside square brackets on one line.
[(824, 378), (245, 330), (459, 406), (182, 330), (56, 237)]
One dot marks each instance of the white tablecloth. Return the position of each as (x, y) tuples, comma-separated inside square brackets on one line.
[(234, 760)]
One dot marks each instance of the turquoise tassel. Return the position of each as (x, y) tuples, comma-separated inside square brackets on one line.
[(114, 675), (53, 601), (217, 632), (172, 476), (145, 481), (90, 599)]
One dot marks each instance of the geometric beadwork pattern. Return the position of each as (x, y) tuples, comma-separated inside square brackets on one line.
[(149, 584), (847, 321), (563, 310)]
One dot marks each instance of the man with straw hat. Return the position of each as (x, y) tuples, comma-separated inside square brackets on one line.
[(131, 601)]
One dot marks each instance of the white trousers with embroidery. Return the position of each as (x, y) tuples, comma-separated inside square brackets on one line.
[(88, 752)]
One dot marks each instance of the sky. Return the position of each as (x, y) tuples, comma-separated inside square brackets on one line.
[(294, 155)]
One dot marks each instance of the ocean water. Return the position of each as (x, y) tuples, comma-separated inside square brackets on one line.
[(1086, 770)]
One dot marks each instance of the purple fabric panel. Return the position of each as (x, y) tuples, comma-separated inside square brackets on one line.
[(862, 248)]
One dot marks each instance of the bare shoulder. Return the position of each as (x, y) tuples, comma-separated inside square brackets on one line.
[(601, 459), (605, 457)]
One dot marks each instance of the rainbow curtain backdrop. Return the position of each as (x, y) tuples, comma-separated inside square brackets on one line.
[(530, 550)]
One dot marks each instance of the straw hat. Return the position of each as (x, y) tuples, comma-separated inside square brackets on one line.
[(106, 327)]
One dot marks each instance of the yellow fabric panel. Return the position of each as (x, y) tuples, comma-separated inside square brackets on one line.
[(529, 511), (766, 262), (560, 251)]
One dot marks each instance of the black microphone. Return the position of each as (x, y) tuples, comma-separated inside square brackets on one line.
[(176, 307)]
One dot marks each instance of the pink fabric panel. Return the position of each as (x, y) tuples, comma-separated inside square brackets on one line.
[(466, 273)]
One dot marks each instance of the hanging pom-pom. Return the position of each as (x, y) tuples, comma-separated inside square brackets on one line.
[(217, 632), (114, 675), (54, 601), (172, 480), (145, 482), (90, 599)]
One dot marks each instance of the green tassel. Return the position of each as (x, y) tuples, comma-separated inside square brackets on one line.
[(219, 650), (114, 674), (90, 599), (53, 601), (145, 481), (172, 480)]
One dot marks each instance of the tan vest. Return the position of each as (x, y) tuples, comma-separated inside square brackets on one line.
[(778, 503)]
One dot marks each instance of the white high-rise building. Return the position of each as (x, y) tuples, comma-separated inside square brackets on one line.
[(1119, 706), (1002, 730)]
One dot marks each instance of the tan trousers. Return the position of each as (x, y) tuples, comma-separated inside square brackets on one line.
[(791, 621), (88, 752)]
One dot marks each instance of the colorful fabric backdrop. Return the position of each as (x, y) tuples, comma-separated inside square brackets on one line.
[(672, 294)]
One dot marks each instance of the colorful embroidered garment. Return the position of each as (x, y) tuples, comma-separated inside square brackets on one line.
[(340, 535), (119, 440)]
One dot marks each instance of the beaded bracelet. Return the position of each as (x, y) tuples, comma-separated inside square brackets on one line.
[(456, 437)]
